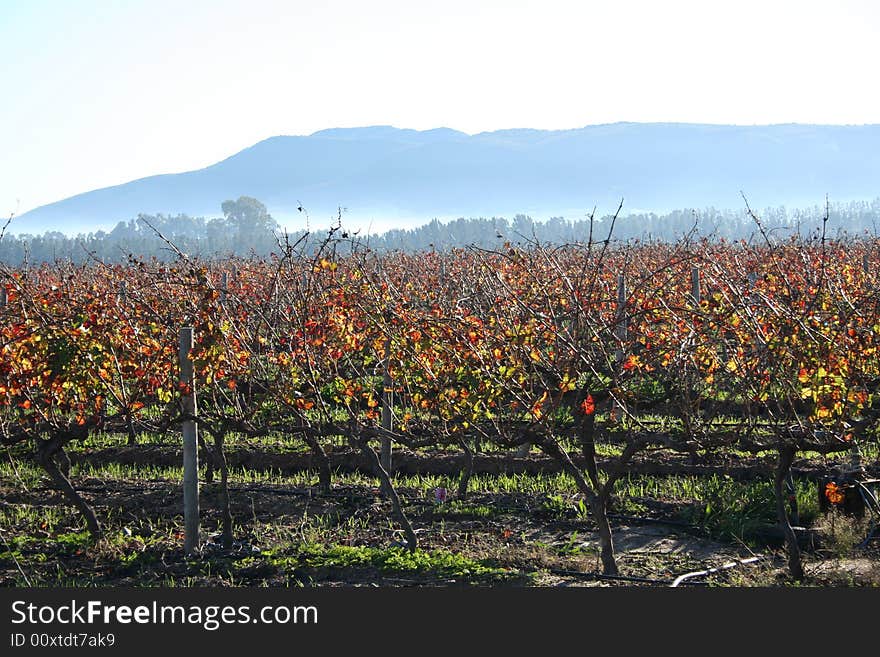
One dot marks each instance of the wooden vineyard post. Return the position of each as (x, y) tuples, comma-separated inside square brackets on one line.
[(751, 295), (695, 286), (4, 296), (866, 269), (620, 333), (387, 409), (387, 399), (620, 328), (190, 447)]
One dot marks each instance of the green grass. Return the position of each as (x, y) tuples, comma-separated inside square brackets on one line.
[(459, 509), (726, 508), (311, 558), (45, 518), (274, 442), (149, 472), (21, 472), (523, 483)]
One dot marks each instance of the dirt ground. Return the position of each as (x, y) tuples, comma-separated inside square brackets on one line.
[(489, 539)]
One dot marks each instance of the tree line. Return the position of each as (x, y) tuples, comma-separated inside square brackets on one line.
[(247, 229)]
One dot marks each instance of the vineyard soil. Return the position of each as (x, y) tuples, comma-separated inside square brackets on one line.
[(290, 535)]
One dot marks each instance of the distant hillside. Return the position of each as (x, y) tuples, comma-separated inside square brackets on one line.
[(403, 178)]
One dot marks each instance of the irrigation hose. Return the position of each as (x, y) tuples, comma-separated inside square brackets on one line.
[(600, 576), (672, 583), (709, 571)]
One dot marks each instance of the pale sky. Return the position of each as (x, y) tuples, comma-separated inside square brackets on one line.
[(96, 93)]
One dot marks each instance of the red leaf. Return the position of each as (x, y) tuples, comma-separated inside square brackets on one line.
[(589, 406)]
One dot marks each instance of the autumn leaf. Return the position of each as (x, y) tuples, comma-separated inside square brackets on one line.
[(834, 493), (588, 405), (536, 407)]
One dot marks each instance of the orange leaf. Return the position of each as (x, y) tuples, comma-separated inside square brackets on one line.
[(834, 493), (588, 405)]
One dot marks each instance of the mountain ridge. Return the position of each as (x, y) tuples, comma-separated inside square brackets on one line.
[(382, 174)]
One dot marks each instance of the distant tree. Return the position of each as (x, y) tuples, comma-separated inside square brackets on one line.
[(247, 217), (523, 226), (247, 227)]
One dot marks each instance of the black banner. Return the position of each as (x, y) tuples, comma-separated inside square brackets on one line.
[(122, 620)]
